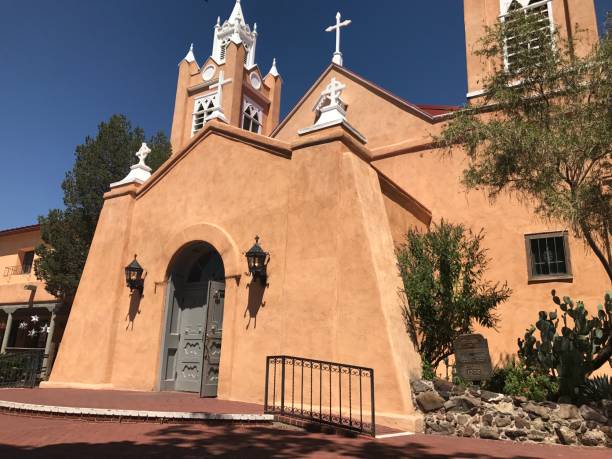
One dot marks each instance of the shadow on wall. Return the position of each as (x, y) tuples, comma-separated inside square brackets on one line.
[(255, 302), (135, 299)]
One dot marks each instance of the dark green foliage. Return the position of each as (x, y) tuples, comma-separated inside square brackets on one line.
[(596, 389), (427, 371), (67, 233), (443, 276), (582, 345), (543, 130), (514, 379)]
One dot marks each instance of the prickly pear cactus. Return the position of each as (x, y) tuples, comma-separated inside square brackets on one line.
[(581, 346)]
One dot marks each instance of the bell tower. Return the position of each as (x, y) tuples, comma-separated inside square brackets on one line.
[(567, 16), (228, 86)]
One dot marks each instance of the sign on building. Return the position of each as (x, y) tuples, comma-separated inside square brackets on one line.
[(472, 359)]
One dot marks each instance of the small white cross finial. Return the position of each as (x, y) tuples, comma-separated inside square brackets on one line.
[(334, 91), (336, 28), (142, 154)]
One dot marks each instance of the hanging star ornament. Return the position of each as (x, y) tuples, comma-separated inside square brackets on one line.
[(32, 333), (23, 325), (44, 329), (35, 319)]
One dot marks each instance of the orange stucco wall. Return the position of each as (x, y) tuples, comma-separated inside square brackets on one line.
[(319, 210), (329, 208), (568, 16), (12, 286), (378, 116), (505, 223)]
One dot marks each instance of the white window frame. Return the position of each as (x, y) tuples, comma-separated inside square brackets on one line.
[(205, 99), (504, 6), (249, 103)]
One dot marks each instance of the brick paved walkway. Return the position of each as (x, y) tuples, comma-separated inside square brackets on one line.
[(23, 437), (126, 400)]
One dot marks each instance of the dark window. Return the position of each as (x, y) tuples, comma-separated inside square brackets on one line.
[(251, 119), (548, 256), (27, 261)]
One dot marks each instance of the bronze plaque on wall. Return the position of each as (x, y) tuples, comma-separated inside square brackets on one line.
[(472, 359)]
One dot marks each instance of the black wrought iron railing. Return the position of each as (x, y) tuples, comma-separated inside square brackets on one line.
[(322, 392), (21, 367)]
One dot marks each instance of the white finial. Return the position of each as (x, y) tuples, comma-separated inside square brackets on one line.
[(334, 91), (331, 111), (218, 21), (190, 56), (139, 173), (330, 106), (336, 28), (274, 71), (255, 27), (218, 110), (142, 154)]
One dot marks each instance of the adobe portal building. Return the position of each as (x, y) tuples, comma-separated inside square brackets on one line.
[(329, 190)]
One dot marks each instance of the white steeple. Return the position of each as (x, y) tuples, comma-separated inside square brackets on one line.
[(237, 14), (236, 30), (190, 56), (274, 71)]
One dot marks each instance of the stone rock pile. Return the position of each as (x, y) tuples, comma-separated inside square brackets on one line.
[(453, 410)]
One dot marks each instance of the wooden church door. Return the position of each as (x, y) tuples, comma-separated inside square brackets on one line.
[(212, 344), (191, 332)]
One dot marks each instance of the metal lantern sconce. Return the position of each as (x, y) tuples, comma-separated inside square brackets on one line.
[(257, 260), (133, 276)]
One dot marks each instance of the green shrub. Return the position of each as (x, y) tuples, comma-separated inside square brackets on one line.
[(428, 371), (447, 294), (514, 379)]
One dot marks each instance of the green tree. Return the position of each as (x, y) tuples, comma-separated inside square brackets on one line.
[(543, 128), (67, 233), (443, 275)]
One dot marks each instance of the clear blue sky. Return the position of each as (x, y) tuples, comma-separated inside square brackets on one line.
[(66, 65)]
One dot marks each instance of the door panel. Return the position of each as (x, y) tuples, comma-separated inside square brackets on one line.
[(214, 329), (172, 338), (191, 344)]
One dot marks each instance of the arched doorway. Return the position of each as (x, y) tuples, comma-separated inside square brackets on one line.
[(194, 319)]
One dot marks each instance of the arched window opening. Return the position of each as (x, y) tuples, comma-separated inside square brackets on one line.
[(520, 45), (203, 107), (251, 118)]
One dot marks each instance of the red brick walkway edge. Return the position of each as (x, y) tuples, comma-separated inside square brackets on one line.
[(132, 416)]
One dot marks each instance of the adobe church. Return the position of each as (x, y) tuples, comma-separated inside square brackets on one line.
[(330, 190)]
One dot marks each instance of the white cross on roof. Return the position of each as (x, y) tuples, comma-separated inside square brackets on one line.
[(336, 28)]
